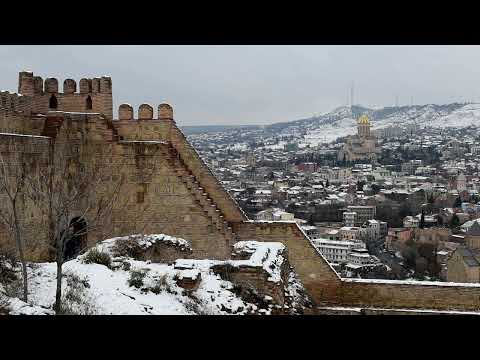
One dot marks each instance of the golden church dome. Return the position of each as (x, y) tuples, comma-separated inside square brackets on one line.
[(364, 120)]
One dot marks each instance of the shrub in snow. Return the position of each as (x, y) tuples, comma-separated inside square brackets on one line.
[(3, 310), (8, 263), (4, 302), (10, 283), (161, 284), (195, 306), (95, 256), (14, 288), (136, 278), (8, 257), (76, 300)]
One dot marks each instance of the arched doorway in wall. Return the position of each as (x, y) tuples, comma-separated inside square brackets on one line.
[(53, 102), (78, 241), (89, 103)]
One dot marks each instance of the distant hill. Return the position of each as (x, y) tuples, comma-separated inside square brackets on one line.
[(342, 121)]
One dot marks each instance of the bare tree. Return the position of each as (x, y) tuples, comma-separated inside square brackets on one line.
[(79, 192), (76, 199), (12, 187)]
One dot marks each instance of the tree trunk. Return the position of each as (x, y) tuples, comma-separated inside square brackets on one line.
[(18, 240), (24, 274), (58, 294), (60, 259)]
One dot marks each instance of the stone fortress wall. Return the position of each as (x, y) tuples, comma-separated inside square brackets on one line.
[(15, 113), (328, 289), (36, 150), (171, 190)]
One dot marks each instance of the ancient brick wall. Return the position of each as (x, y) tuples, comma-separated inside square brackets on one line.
[(326, 287), (315, 273), (254, 278), (166, 254), (160, 202), (154, 198), (398, 294), (27, 153), (15, 116), (15, 102), (13, 122)]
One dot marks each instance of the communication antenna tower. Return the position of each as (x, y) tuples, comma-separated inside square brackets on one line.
[(352, 93)]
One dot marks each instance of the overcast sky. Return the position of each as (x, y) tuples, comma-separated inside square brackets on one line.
[(258, 84)]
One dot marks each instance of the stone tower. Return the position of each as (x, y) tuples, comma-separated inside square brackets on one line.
[(93, 95)]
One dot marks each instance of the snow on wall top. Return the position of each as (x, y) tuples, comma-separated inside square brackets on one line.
[(24, 135), (409, 282)]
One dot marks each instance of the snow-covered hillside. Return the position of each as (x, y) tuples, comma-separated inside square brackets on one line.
[(128, 286), (341, 122)]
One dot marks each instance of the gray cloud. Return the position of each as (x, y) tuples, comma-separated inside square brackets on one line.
[(258, 84)]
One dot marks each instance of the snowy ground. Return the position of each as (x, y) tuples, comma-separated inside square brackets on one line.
[(97, 289)]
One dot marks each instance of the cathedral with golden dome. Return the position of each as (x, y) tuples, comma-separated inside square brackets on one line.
[(362, 146)]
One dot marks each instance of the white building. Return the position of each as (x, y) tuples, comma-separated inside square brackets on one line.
[(336, 251), (475, 149), (349, 218), (280, 215), (381, 174), (310, 231), (411, 222), (350, 233), (371, 230), (360, 257), (274, 215), (364, 213), (333, 234)]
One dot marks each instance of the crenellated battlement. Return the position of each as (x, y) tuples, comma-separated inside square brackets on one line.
[(30, 85), (145, 126), (145, 112), (92, 95)]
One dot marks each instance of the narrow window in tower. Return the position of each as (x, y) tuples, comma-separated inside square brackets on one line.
[(53, 104), (89, 103)]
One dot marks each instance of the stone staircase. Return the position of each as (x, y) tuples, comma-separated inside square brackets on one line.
[(200, 195), (235, 212)]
